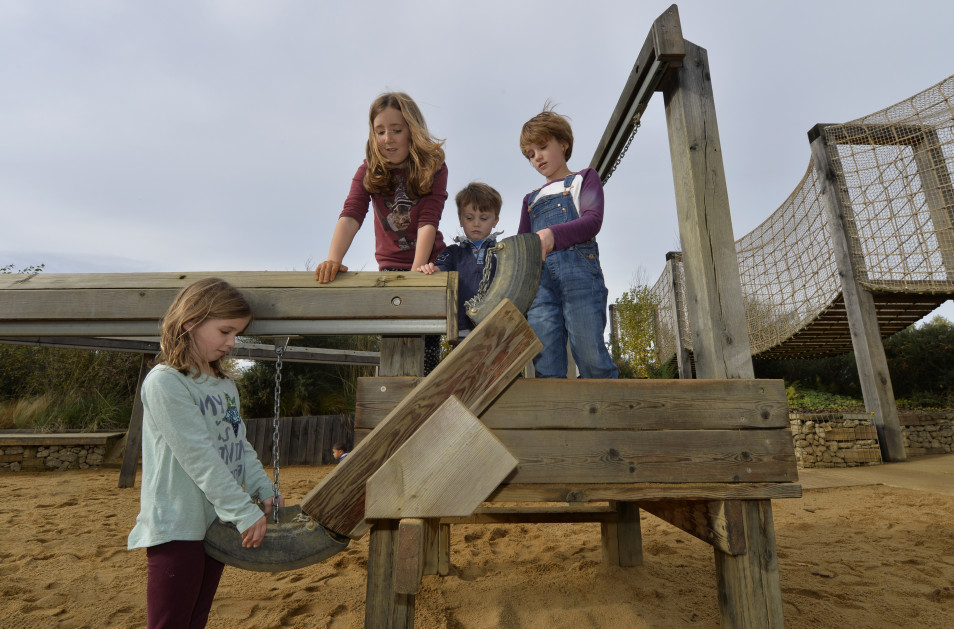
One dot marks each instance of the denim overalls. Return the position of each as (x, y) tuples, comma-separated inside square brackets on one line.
[(571, 301)]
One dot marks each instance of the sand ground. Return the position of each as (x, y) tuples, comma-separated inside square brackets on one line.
[(864, 547)]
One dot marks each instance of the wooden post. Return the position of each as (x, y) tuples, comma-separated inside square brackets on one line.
[(127, 473), (750, 593), (623, 540), (402, 356), (720, 338), (683, 359), (859, 306), (938, 192)]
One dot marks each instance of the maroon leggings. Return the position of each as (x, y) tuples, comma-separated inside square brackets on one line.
[(180, 586)]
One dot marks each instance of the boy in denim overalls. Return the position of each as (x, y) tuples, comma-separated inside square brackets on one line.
[(566, 213)]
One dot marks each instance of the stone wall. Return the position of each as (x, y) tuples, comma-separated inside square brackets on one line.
[(34, 458), (851, 439)]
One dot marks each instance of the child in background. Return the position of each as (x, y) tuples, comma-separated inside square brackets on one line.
[(196, 462), (478, 208), (404, 178), (566, 213), (339, 451)]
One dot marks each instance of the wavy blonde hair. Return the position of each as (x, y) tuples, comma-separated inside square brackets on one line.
[(209, 298), (426, 152)]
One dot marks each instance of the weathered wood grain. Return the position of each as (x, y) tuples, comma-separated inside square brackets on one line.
[(535, 403), (706, 520), (640, 492), (476, 372), (446, 468)]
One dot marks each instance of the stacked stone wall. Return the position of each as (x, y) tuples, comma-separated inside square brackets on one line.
[(33, 458)]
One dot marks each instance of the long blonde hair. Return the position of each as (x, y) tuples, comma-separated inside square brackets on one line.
[(209, 298), (426, 152)]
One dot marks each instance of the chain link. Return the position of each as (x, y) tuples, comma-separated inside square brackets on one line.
[(484, 284), (279, 351), (622, 153)]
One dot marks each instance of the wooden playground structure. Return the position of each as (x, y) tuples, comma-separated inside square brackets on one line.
[(707, 455)]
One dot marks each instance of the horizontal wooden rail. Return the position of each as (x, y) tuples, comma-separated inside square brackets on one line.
[(284, 303)]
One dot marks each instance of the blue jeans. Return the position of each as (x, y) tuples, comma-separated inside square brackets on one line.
[(571, 305)]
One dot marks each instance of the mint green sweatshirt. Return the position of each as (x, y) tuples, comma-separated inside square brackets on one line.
[(195, 460)]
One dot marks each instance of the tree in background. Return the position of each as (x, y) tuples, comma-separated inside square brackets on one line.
[(306, 388), (634, 342)]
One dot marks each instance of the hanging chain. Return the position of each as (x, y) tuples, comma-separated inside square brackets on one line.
[(484, 284), (622, 153), (279, 350)]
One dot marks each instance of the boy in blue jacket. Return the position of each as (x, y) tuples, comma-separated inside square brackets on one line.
[(478, 208)]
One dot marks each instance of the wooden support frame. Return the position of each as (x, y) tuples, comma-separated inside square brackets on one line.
[(872, 363)]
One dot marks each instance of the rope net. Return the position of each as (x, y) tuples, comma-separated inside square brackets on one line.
[(894, 169)]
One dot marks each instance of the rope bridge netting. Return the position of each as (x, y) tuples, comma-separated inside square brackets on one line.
[(894, 169)]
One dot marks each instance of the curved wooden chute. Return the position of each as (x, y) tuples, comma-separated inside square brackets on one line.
[(294, 542), (517, 276)]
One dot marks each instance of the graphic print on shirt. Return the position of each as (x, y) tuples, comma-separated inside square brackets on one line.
[(398, 219), (230, 448)]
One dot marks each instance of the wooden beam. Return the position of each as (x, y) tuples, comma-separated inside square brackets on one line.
[(874, 376), (446, 468), (720, 342), (641, 492), (476, 372), (385, 607), (622, 539), (750, 593), (127, 471), (534, 403), (409, 560), (706, 520)]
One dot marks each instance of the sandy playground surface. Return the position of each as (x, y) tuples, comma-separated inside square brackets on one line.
[(858, 556)]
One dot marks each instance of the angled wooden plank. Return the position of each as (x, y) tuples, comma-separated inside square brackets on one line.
[(540, 403), (706, 520), (476, 372), (447, 468)]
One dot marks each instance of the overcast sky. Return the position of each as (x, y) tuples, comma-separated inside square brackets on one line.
[(223, 135)]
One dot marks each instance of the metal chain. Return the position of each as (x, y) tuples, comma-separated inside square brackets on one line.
[(484, 284), (279, 350), (622, 153)]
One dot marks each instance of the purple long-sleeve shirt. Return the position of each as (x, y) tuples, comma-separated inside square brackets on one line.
[(587, 193)]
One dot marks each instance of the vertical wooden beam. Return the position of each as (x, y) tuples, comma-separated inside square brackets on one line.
[(683, 359), (938, 192), (862, 316), (127, 472), (720, 338), (402, 356), (750, 593), (622, 540), (385, 608)]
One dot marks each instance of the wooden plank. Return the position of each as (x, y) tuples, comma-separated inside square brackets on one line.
[(606, 404), (640, 492), (622, 538), (127, 470), (409, 559), (402, 356), (267, 303), (705, 520), (714, 291), (239, 279), (703, 456), (494, 514), (750, 593), (674, 456), (476, 372), (446, 468)]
